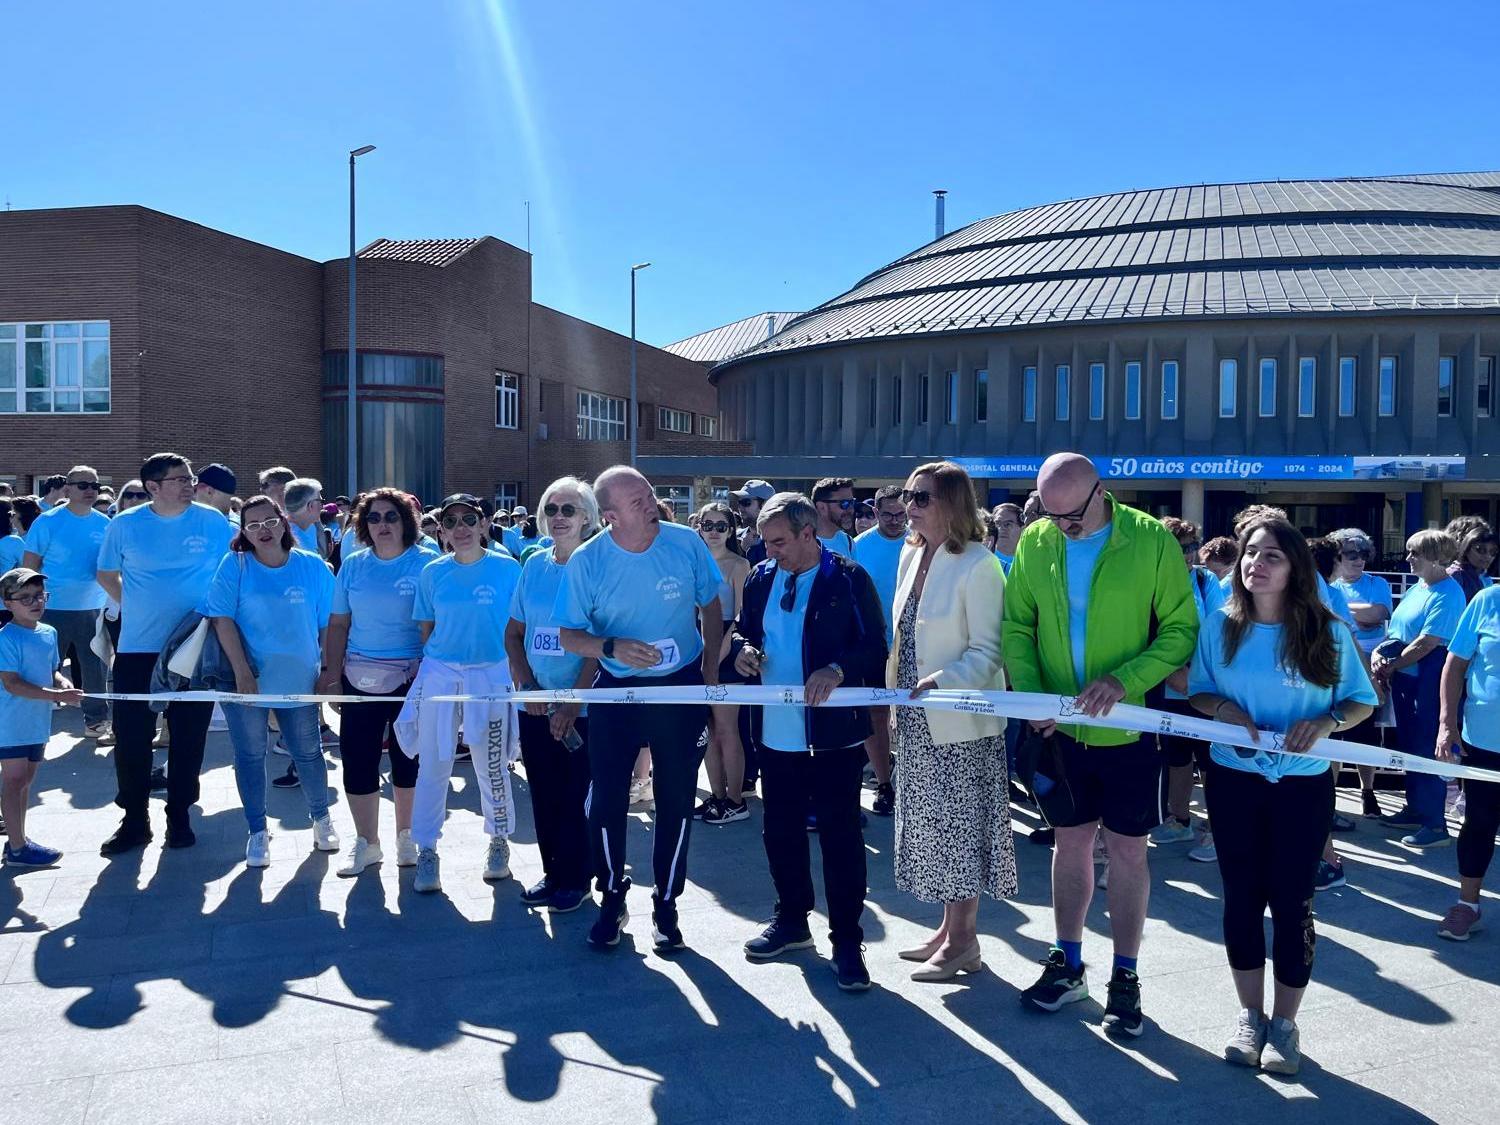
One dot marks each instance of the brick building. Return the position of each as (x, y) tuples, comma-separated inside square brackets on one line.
[(124, 331)]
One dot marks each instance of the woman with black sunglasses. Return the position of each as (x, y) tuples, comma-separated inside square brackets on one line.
[(373, 647), (725, 758), (554, 738)]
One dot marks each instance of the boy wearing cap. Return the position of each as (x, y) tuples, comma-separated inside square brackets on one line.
[(750, 500), (30, 683), (216, 487)]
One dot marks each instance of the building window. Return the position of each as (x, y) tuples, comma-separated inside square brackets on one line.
[(1268, 388), (674, 421), (507, 401), (55, 368), (1229, 386), (1484, 387), (1169, 390), (1387, 400), (1133, 390), (708, 426), (950, 398), (1348, 384), (507, 494), (924, 391), (874, 400), (601, 417), (1096, 391), (1446, 366), (895, 400), (1307, 386), (1028, 394), (1064, 391), (981, 395), (680, 496)]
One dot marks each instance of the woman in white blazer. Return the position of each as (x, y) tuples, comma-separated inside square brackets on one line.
[(953, 837)]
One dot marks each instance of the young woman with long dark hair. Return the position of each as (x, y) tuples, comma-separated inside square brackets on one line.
[(1273, 658)]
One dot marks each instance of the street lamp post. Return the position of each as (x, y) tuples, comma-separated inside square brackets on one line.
[(635, 409), (353, 393)]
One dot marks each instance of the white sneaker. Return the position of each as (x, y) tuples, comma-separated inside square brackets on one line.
[(406, 849), (429, 872), (1248, 1042), (1205, 851), (361, 855), (497, 861), (258, 850), (1283, 1050), (101, 732), (1173, 831), (641, 792), (325, 839)]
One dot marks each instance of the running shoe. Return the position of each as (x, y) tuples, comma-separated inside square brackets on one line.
[(1173, 831), (1249, 1039), (406, 849), (325, 836), (727, 812), (31, 854), (641, 792), (849, 966), (613, 915), (101, 732), (1460, 921), (1329, 875), (1283, 1051), (258, 850), (885, 800), (1058, 986), (707, 807), (567, 900), (429, 876), (362, 854), (538, 894), (1428, 838), (1122, 1013), (780, 935), (1205, 852), (666, 935), (497, 860)]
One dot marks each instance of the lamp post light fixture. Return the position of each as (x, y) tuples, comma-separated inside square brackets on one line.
[(353, 392), (635, 409)]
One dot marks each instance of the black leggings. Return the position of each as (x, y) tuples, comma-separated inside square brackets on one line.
[(1476, 839), (362, 735), (1269, 838)]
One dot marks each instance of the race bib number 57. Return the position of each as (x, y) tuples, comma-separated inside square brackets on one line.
[(669, 653)]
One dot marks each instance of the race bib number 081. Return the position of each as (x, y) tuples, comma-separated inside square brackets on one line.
[(547, 642)]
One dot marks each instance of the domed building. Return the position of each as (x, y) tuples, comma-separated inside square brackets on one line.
[(1326, 345)]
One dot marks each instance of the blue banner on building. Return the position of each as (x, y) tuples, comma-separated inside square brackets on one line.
[(1236, 467)]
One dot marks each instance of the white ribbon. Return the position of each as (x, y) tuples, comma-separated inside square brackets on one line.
[(1000, 704)]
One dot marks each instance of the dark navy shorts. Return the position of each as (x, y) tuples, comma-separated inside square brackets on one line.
[(23, 753)]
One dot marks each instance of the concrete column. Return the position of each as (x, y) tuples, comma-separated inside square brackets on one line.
[(1432, 503), (703, 491), (1192, 501)]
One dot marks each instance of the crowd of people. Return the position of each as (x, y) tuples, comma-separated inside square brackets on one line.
[(177, 583)]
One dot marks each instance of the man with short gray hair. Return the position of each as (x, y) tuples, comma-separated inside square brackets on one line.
[(304, 507)]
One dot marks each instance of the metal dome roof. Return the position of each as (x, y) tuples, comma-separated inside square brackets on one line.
[(1211, 250)]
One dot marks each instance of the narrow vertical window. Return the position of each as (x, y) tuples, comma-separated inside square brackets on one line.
[(1447, 364), (874, 407), (1268, 388), (924, 392), (1307, 386), (1028, 394), (1064, 391), (895, 400), (1387, 399), (1484, 387), (1348, 384), (1133, 390), (1229, 387), (1096, 391), (950, 398), (981, 395), (1169, 390)]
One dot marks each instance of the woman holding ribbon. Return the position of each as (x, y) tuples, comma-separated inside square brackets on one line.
[(554, 738), (725, 759), (1273, 657), (269, 603), (373, 647)]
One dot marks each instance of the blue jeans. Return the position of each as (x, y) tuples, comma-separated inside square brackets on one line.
[(250, 732), (1415, 702)]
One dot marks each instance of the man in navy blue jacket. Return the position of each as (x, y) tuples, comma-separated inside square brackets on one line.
[(810, 618)]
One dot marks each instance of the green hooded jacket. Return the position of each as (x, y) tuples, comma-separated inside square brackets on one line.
[(1142, 622)]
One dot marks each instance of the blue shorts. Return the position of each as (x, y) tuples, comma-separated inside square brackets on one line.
[(23, 753)]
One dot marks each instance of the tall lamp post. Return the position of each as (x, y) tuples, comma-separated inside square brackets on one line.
[(635, 409), (353, 399)]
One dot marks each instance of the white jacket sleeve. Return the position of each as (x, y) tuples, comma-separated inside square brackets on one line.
[(980, 665)]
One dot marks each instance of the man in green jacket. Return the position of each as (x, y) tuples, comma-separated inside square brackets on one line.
[(1097, 606)]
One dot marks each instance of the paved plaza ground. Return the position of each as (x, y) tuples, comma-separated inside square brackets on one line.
[(180, 986)]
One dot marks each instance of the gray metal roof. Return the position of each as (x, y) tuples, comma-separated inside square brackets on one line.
[(427, 251), (1283, 247), (729, 340)]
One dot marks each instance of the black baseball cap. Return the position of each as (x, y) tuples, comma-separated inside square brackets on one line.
[(466, 499)]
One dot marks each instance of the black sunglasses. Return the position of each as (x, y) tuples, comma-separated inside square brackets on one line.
[(921, 497), (85, 485), (1074, 517), (568, 511), (844, 504), (135, 496), (789, 594), (384, 517), (713, 525), (468, 519)]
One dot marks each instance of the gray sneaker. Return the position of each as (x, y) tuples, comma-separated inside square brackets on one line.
[(428, 878), (1249, 1039), (1282, 1054), (497, 860)]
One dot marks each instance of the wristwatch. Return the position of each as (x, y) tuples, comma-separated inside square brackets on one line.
[(609, 648), (1337, 716), (837, 667)]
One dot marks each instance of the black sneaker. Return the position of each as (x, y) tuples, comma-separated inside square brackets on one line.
[(1058, 986), (885, 800), (158, 779), (538, 894), (666, 937), (1043, 837), (727, 812), (1122, 1015), (131, 834), (849, 964), (709, 807), (605, 933), (180, 834), (779, 936), (288, 780)]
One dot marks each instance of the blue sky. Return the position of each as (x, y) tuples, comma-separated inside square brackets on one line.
[(762, 155)]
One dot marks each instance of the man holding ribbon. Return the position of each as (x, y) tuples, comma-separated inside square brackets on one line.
[(633, 598), (1097, 607)]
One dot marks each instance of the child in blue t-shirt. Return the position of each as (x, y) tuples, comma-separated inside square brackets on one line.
[(30, 684)]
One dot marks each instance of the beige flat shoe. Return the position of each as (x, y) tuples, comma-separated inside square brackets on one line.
[(921, 952), (966, 962)]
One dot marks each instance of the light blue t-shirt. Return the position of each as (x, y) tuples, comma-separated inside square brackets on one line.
[(1477, 640), (840, 544), (1336, 602), (1005, 562), (650, 596), (69, 549), (785, 728), (378, 595), (308, 537), (1082, 557), (1208, 596), (1369, 589), (881, 558), (512, 540), (532, 605), (32, 655), (468, 604), (166, 567), (12, 547), (280, 613), (1425, 610), (533, 541), (1274, 696)]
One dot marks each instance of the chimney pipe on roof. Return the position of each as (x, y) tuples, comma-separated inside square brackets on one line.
[(940, 225), (770, 325)]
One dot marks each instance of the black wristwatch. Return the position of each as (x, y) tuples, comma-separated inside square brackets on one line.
[(608, 648)]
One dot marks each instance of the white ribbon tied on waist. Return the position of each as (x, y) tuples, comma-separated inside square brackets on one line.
[(1000, 704)]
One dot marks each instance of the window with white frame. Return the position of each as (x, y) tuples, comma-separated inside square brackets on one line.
[(1268, 388), (1386, 399), (1169, 370), (1028, 394), (1133, 390), (1229, 387), (507, 401), (601, 417), (708, 426), (675, 421), (1307, 386), (57, 367), (1348, 385), (1447, 372), (507, 494)]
